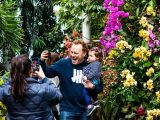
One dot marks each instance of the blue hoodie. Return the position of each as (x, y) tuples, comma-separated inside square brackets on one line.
[(71, 86)]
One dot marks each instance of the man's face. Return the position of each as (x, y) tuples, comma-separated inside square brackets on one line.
[(76, 54)]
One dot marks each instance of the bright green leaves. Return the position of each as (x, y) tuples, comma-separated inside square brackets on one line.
[(38, 43), (10, 33)]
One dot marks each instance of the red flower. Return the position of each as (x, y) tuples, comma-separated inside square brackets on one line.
[(140, 111), (68, 44)]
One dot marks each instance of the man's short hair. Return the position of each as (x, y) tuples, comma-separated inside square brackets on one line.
[(84, 46)]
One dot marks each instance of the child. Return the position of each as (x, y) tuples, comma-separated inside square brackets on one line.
[(92, 72)]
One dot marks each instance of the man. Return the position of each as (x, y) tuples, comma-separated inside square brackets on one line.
[(69, 71)]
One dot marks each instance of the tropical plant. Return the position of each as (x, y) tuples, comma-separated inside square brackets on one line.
[(132, 40), (10, 30), (70, 15), (39, 25)]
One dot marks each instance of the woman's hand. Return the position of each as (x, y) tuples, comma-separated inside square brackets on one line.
[(40, 73), (88, 84)]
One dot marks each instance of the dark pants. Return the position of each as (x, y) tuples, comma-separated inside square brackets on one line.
[(65, 115), (88, 94), (55, 114)]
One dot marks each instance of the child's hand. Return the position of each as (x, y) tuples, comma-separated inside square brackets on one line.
[(84, 78), (88, 84)]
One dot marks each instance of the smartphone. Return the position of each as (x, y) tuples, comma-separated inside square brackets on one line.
[(35, 66), (49, 55)]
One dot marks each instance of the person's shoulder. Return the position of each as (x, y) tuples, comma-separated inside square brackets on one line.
[(96, 63), (5, 86), (63, 61)]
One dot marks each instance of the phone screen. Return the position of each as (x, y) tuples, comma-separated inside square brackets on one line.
[(35, 66)]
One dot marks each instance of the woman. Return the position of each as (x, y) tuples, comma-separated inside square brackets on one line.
[(52, 58), (25, 97)]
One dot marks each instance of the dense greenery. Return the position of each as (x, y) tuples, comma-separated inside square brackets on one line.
[(39, 25), (10, 30), (27, 25), (70, 15)]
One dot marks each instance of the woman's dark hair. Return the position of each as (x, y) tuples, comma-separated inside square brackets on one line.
[(52, 58), (20, 69)]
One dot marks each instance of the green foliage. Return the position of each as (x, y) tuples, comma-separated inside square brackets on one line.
[(70, 15), (10, 33), (3, 109), (39, 22), (38, 43)]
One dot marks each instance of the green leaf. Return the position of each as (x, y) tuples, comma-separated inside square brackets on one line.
[(124, 64), (114, 111), (147, 64), (132, 115), (132, 17), (144, 1), (124, 109), (137, 11), (156, 75), (130, 98), (152, 3), (156, 59), (145, 44), (38, 43)]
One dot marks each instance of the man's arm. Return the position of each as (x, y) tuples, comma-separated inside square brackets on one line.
[(49, 71)]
